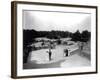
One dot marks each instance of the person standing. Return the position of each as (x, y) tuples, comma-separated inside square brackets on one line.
[(50, 53), (80, 47), (66, 52)]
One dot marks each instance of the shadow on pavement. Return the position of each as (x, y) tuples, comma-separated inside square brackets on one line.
[(34, 65)]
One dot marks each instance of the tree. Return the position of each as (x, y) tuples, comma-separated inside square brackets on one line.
[(85, 36), (76, 36)]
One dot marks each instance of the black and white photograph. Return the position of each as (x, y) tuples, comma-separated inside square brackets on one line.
[(53, 39), (56, 39)]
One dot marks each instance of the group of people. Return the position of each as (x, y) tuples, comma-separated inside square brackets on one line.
[(66, 53), (50, 53)]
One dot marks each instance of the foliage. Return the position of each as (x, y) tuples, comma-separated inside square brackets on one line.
[(85, 36), (76, 36), (30, 35)]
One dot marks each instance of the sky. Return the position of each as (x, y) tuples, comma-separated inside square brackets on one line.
[(62, 21)]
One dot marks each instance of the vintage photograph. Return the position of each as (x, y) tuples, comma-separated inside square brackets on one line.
[(51, 39), (56, 39)]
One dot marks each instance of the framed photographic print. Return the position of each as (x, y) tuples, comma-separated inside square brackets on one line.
[(50, 39)]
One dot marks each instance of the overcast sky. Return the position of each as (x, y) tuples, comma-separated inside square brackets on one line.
[(65, 21)]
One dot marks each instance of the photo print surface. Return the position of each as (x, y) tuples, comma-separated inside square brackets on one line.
[(56, 39)]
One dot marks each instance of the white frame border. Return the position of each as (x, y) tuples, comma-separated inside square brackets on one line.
[(33, 72)]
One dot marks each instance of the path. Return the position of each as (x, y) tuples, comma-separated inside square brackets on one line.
[(39, 59)]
